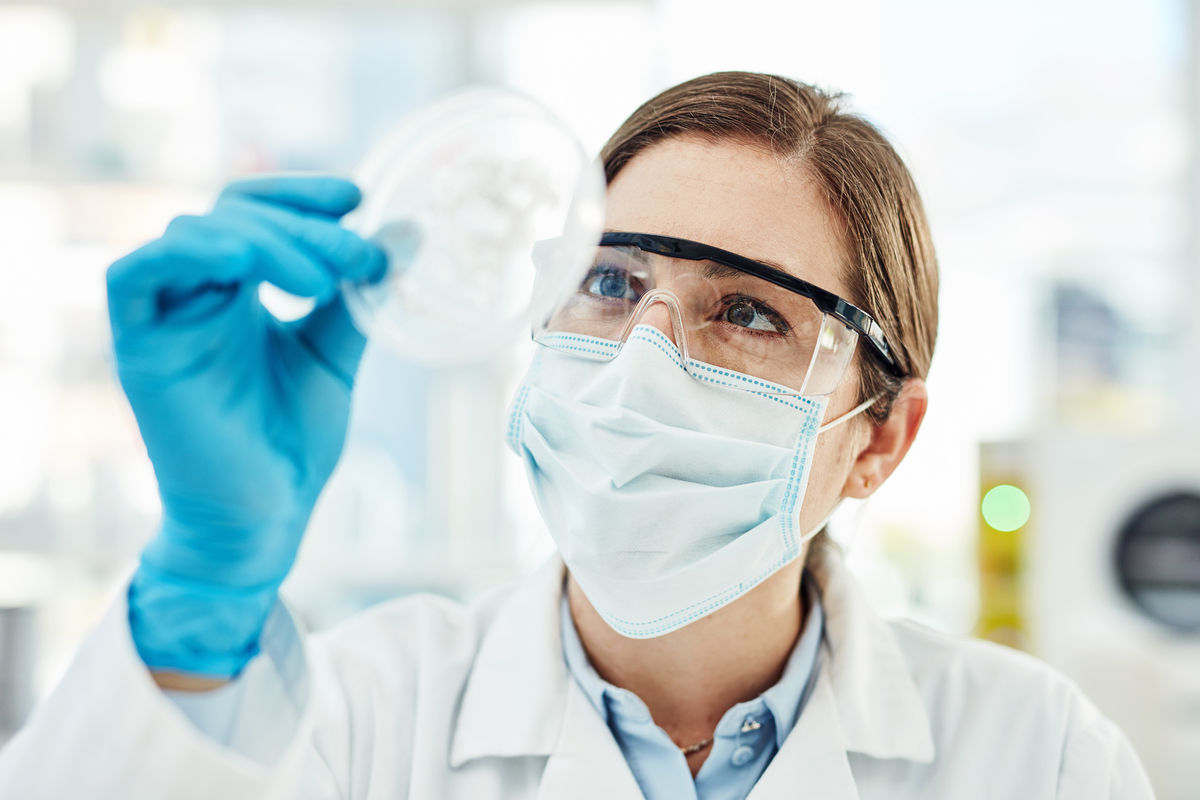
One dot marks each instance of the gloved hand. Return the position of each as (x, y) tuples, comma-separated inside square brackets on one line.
[(243, 416)]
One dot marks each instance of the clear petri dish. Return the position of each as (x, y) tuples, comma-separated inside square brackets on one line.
[(458, 196)]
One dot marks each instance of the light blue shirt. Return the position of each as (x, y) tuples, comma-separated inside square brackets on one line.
[(745, 740)]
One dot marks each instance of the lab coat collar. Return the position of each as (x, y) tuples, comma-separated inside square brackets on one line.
[(520, 701), (879, 710), (515, 695)]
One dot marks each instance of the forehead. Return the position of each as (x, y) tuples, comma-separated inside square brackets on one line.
[(734, 197)]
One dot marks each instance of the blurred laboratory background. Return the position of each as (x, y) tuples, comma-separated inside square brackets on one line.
[(1052, 500)]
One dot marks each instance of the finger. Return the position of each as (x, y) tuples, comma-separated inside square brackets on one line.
[(400, 240), (344, 254), (204, 250), (278, 258), (201, 253), (320, 194), (180, 260), (330, 334)]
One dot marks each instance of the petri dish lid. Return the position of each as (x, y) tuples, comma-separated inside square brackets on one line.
[(458, 195)]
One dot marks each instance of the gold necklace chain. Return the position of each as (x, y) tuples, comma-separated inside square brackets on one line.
[(748, 726)]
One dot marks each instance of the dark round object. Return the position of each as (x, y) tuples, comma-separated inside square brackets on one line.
[(741, 313), (1158, 559), (613, 286)]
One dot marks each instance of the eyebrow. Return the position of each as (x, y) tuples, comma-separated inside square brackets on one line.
[(775, 264), (714, 270)]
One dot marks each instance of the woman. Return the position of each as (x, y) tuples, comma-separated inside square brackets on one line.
[(749, 347)]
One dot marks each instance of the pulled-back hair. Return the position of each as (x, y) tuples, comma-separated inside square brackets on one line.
[(891, 268)]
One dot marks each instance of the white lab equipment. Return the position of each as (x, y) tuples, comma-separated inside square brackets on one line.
[(1112, 585), (18, 642), (424, 698), (26, 581)]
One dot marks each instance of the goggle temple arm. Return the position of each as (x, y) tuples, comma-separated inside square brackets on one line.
[(832, 353)]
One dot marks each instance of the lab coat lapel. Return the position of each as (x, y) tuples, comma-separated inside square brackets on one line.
[(521, 701), (812, 761), (586, 762), (864, 700), (879, 710), (514, 698)]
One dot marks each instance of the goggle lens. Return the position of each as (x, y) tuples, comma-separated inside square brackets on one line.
[(730, 319)]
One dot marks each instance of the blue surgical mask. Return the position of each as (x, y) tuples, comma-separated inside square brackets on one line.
[(669, 496)]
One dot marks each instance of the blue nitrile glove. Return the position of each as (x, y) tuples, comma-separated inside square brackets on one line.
[(243, 416)]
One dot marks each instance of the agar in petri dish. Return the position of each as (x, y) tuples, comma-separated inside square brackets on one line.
[(458, 196)]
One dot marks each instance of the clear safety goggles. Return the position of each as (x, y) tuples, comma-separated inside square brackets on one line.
[(725, 310)]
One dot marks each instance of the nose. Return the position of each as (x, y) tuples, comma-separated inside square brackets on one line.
[(658, 315), (661, 309)]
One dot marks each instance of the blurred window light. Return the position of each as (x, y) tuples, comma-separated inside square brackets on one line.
[(35, 44), (26, 409), (142, 77), (591, 62), (844, 45), (162, 60), (35, 52)]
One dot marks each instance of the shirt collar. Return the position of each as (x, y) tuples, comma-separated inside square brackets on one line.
[(783, 700), (519, 675)]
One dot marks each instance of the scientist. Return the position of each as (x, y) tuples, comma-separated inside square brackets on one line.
[(748, 347)]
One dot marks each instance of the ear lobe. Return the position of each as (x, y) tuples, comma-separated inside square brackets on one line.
[(889, 441)]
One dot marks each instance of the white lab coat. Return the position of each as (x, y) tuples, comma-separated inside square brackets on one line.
[(422, 698)]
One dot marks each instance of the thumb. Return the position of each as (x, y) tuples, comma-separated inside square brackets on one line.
[(332, 337), (329, 332)]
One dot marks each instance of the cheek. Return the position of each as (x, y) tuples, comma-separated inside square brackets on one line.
[(833, 458)]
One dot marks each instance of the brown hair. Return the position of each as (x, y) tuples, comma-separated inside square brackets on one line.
[(892, 269)]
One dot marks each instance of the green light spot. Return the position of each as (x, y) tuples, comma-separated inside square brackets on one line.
[(1005, 507)]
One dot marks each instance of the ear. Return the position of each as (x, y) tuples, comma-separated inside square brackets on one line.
[(889, 441)]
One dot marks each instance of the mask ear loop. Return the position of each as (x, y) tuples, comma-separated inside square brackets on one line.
[(820, 526), (860, 408), (858, 507), (854, 412)]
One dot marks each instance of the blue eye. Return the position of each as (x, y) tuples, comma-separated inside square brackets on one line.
[(610, 284)]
